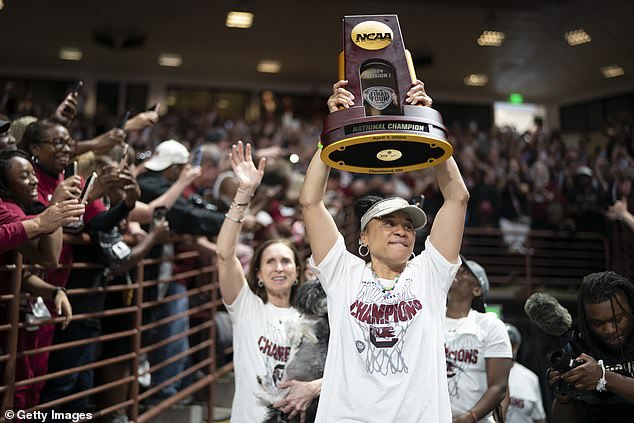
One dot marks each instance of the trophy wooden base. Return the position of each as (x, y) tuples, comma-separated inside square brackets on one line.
[(384, 144)]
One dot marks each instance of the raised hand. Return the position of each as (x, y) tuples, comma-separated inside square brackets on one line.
[(417, 94), (340, 97), (141, 121), (68, 189), (188, 174), (249, 177)]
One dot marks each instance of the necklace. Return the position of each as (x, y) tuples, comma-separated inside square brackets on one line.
[(386, 285)]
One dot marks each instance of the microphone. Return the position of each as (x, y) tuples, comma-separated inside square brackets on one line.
[(545, 311)]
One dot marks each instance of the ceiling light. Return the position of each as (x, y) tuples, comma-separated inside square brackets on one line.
[(491, 39), (576, 37), (269, 66), (476, 80), (171, 60), (239, 19), (70, 53), (612, 71)]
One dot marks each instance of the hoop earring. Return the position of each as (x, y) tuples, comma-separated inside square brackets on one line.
[(367, 250), (260, 283), (413, 256), (296, 282), (35, 160)]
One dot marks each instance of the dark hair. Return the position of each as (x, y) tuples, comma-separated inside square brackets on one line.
[(36, 132), (597, 288), (363, 204), (256, 264), (5, 164)]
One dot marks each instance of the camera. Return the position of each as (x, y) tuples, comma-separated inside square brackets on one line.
[(563, 359)]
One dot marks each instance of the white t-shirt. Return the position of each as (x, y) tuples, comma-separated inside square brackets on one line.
[(385, 356), (526, 397), (260, 348), (469, 341)]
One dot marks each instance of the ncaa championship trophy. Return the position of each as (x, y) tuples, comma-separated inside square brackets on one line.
[(385, 134)]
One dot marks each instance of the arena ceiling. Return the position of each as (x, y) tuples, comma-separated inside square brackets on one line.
[(305, 36)]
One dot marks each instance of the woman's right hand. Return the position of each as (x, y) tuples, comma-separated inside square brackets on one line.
[(340, 97), (60, 214), (68, 189), (188, 174), (249, 177)]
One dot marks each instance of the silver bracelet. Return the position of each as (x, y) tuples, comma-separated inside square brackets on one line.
[(234, 219), (602, 382)]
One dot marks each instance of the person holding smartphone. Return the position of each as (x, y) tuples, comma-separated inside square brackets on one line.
[(49, 144)]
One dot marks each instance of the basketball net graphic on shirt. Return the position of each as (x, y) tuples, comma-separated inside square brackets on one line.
[(459, 355), (384, 322), (274, 349)]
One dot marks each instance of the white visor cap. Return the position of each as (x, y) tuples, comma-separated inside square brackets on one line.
[(391, 205)]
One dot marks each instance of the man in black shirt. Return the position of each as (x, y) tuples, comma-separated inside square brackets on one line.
[(601, 386)]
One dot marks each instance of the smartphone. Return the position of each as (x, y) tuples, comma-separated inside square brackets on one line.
[(70, 170), (124, 157), (158, 214), (124, 119), (83, 197), (78, 88), (197, 157)]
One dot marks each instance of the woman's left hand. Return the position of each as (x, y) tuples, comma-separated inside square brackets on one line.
[(63, 307), (249, 177), (417, 94), (299, 397)]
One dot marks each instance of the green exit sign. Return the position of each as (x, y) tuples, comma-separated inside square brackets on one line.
[(516, 98), (494, 308)]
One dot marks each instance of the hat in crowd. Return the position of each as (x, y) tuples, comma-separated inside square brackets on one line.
[(584, 171), (391, 205), (514, 334), (167, 153), (4, 126), (479, 273)]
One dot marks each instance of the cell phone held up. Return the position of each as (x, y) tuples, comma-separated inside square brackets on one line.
[(83, 198), (70, 170), (158, 214)]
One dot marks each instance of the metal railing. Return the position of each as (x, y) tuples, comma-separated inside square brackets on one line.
[(204, 369)]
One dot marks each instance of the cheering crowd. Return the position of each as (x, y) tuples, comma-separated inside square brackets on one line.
[(68, 195)]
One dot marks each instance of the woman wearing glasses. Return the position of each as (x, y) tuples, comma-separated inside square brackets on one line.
[(49, 145)]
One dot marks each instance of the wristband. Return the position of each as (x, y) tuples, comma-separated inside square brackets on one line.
[(56, 291), (602, 382), (474, 415)]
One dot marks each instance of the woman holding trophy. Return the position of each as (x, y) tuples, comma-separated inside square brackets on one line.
[(386, 360)]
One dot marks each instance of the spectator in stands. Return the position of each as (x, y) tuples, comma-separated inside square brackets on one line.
[(118, 258), (620, 212), (19, 192), (186, 217), (7, 140), (514, 211), (387, 315), (601, 387), (479, 355), (163, 170), (49, 144), (525, 404), (260, 304)]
